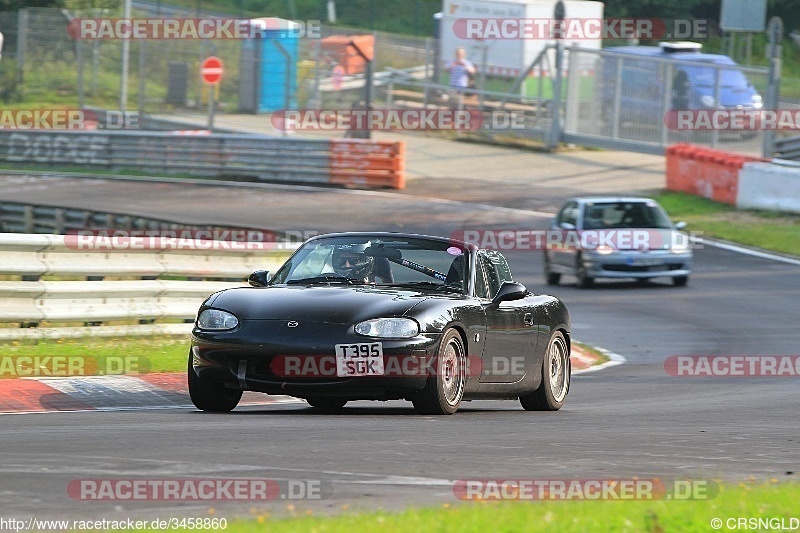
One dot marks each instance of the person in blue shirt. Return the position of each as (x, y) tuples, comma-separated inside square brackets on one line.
[(460, 71)]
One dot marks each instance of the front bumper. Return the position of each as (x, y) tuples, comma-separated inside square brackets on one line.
[(635, 264), (251, 357)]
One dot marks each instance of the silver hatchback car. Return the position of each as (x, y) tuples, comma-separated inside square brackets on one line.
[(616, 237)]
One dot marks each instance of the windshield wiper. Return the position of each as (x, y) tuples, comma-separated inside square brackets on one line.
[(325, 278)]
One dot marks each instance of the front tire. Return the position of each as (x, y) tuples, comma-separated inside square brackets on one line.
[(211, 396), (443, 391), (680, 281), (552, 278), (556, 375), (326, 405), (584, 280)]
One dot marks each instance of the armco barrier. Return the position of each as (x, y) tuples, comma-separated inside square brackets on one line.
[(772, 186), (705, 172), (33, 302), (355, 163)]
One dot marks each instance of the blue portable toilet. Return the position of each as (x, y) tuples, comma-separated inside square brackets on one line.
[(268, 66)]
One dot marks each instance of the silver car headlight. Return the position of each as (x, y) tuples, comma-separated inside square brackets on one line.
[(394, 328), (215, 319), (604, 249), (679, 248), (680, 243)]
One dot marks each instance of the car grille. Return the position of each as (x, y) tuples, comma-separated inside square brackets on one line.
[(649, 268)]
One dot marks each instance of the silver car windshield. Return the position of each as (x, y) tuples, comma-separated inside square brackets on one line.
[(602, 215)]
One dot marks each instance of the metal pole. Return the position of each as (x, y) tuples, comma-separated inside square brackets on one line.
[(367, 84), (482, 73), (666, 104), (615, 115), (775, 31), (22, 45), (126, 52), (555, 124), (317, 103), (573, 96), (142, 77), (79, 53), (717, 96), (212, 93)]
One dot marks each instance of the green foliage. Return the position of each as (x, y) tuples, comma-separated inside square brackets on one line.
[(85, 5), (770, 230), (16, 5), (771, 500), (9, 89)]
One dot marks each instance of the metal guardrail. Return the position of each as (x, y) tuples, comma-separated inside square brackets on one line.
[(788, 148), (219, 155), (16, 217), (32, 302)]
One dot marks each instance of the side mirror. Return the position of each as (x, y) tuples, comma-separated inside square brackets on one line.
[(259, 278), (680, 225), (509, 291)]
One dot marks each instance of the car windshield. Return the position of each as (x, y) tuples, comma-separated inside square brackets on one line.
[(601, 215), (386, 260), (706, 77)]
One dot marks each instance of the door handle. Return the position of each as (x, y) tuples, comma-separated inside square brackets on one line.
[(528, 319)]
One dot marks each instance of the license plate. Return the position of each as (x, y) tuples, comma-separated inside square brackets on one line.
[(360, 359), (641, 261)]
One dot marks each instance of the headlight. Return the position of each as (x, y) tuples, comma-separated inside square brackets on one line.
[(679, 248), (708, 100), (395, 328), (604, 250), (758, 101), (216, 320)]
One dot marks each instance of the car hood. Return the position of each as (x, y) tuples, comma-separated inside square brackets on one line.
[(326, 303)]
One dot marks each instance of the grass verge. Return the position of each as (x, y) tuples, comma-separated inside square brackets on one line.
[(601, 357), (774, 503), (779, 232), (115, 355)]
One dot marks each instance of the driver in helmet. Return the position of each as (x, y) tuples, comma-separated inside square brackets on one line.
[(350, 261)]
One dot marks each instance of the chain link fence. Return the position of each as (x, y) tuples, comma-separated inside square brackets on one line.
[(605, 98), (618, 97), (42, 61)]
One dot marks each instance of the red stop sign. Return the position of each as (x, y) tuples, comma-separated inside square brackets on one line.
[(211, 71)]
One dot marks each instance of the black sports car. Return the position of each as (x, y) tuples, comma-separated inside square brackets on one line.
[(382, 316)]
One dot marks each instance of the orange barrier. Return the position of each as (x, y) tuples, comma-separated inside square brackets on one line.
[(365, 163), (705, 172), (341, 49)]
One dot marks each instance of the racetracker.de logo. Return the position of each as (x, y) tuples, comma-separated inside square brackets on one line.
[(329, 366), (577, 29), (396, 119), (234, 239), (208, 489), (733, 119), (606, 240), (67, 119), (191, 28), (27, 366), (769, 366), (585, 489)]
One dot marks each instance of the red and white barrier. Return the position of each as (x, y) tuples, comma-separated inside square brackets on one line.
[(743, 181)]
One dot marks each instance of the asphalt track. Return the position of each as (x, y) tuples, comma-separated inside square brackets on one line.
[(625, 421)]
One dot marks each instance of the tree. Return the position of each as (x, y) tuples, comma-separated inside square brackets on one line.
[(16, 5)]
